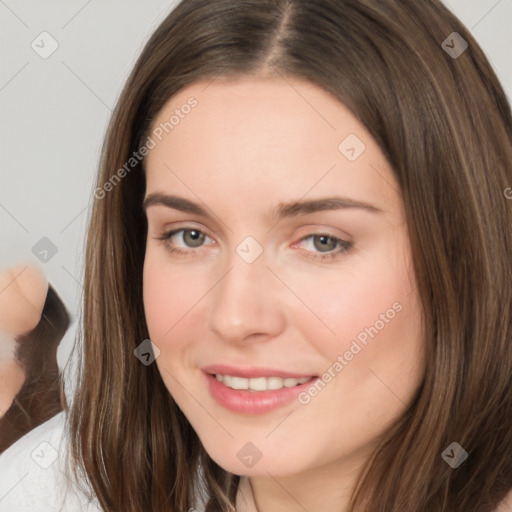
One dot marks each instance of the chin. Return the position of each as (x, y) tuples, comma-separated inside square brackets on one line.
[(243, 457)]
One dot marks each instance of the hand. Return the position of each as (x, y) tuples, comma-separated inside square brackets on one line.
[(23, 291)]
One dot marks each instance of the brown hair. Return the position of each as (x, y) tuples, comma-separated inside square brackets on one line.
[(445, 126), (42, 395)]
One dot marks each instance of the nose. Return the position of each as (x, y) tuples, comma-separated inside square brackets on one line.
[(246, 303)]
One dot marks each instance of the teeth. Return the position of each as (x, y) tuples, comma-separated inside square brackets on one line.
[(259, 383)]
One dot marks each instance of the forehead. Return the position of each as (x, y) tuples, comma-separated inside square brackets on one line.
[(264, 110), (269, 137)]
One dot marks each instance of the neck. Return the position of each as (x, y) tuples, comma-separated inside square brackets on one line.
[(324, 488)]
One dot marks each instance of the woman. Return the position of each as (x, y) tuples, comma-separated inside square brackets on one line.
[(302, 204)]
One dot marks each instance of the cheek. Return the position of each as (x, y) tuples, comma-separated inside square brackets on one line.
[(368, 327), (175, 299), (369, 295), (377, 357), (169, 294)]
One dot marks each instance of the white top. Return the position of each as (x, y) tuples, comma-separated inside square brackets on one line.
[(244, 497), (35, 477)]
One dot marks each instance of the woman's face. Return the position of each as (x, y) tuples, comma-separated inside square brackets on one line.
[(290, 262)]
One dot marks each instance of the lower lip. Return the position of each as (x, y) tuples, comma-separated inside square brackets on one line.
[(253, 402)]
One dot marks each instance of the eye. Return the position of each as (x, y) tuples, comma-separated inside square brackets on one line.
[(327, 246), (190, 237), (320, 247)]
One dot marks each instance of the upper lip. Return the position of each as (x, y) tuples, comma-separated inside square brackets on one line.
[(252, 372)]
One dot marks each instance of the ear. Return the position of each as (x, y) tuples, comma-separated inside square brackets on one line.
[(23, 291)]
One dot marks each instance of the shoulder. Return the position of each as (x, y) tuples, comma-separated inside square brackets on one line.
[(34, 473)]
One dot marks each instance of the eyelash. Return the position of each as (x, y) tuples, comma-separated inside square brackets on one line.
[(343, 246)]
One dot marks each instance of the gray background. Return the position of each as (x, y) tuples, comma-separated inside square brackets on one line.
[(54, 114)]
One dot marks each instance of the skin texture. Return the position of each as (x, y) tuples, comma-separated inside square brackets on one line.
[(23, 291), (12, 378), (247, 146)]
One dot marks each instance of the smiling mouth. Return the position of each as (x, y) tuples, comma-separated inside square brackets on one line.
[(256, 384), (254, 390)]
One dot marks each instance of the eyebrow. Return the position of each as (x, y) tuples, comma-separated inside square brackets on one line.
[(283, 210)]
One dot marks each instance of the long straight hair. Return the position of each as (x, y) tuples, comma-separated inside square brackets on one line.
[(445, 126)]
